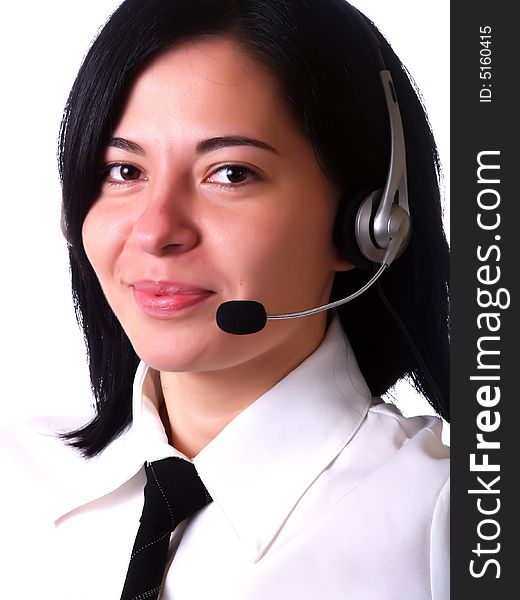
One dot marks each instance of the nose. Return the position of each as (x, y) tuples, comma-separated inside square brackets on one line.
[(166, 224)]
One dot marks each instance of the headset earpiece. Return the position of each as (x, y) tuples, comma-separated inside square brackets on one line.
[(345, 236), (354, 231), (394, 233)]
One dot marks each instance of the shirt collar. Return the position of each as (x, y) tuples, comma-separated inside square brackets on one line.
[(260, 465), (144, 440)]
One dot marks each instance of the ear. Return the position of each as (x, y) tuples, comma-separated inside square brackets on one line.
[(341, 264)]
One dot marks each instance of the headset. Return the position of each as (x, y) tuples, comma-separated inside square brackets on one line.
[(371, 228), (379, 219)]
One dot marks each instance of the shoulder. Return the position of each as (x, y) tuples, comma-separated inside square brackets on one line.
[(406, 488), (33, 454), (409, 439), (389, 489), (418, 467), (36, 467), (402, 459), (37, 433)]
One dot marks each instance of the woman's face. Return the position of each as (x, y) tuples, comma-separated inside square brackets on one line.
[(211, 193)]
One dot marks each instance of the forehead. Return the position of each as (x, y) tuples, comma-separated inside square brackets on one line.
[(205, 81), (217, 59)]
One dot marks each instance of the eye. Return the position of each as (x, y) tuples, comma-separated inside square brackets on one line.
[(232, 176), (121, 173)]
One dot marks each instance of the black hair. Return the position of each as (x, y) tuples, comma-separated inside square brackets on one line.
[(324, 61)]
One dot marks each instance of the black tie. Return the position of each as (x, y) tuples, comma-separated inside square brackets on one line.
[(173, 492)]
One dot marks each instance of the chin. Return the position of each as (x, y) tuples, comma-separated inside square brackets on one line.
[(174, 360), (180, 351)]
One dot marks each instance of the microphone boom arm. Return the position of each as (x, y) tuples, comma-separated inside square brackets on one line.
[(313, 311)]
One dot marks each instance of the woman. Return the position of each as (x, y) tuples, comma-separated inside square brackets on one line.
[(216, 151)]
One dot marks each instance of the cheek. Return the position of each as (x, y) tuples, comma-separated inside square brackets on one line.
[(251, 243), (103, 238), (304, 237), (278, 251)]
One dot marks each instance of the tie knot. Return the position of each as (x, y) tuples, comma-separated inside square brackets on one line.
[(173, 492)]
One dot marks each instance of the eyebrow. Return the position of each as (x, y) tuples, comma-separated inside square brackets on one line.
[(231, 140), (127, 145), (202, 147)]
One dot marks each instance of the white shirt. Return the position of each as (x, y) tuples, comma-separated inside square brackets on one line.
[(319, 492)]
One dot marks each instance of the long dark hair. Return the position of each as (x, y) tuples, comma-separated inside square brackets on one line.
[(325, 63)]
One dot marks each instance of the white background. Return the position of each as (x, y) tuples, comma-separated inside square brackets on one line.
[(41, 48)]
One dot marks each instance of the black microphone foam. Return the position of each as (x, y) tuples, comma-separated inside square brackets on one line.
[(241, 317)]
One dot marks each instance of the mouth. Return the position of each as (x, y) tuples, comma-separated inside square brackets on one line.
[(166, 299)]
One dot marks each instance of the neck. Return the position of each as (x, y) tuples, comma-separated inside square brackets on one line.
[(198, 405)]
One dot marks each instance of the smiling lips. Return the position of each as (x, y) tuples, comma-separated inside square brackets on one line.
[(164, 299)]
